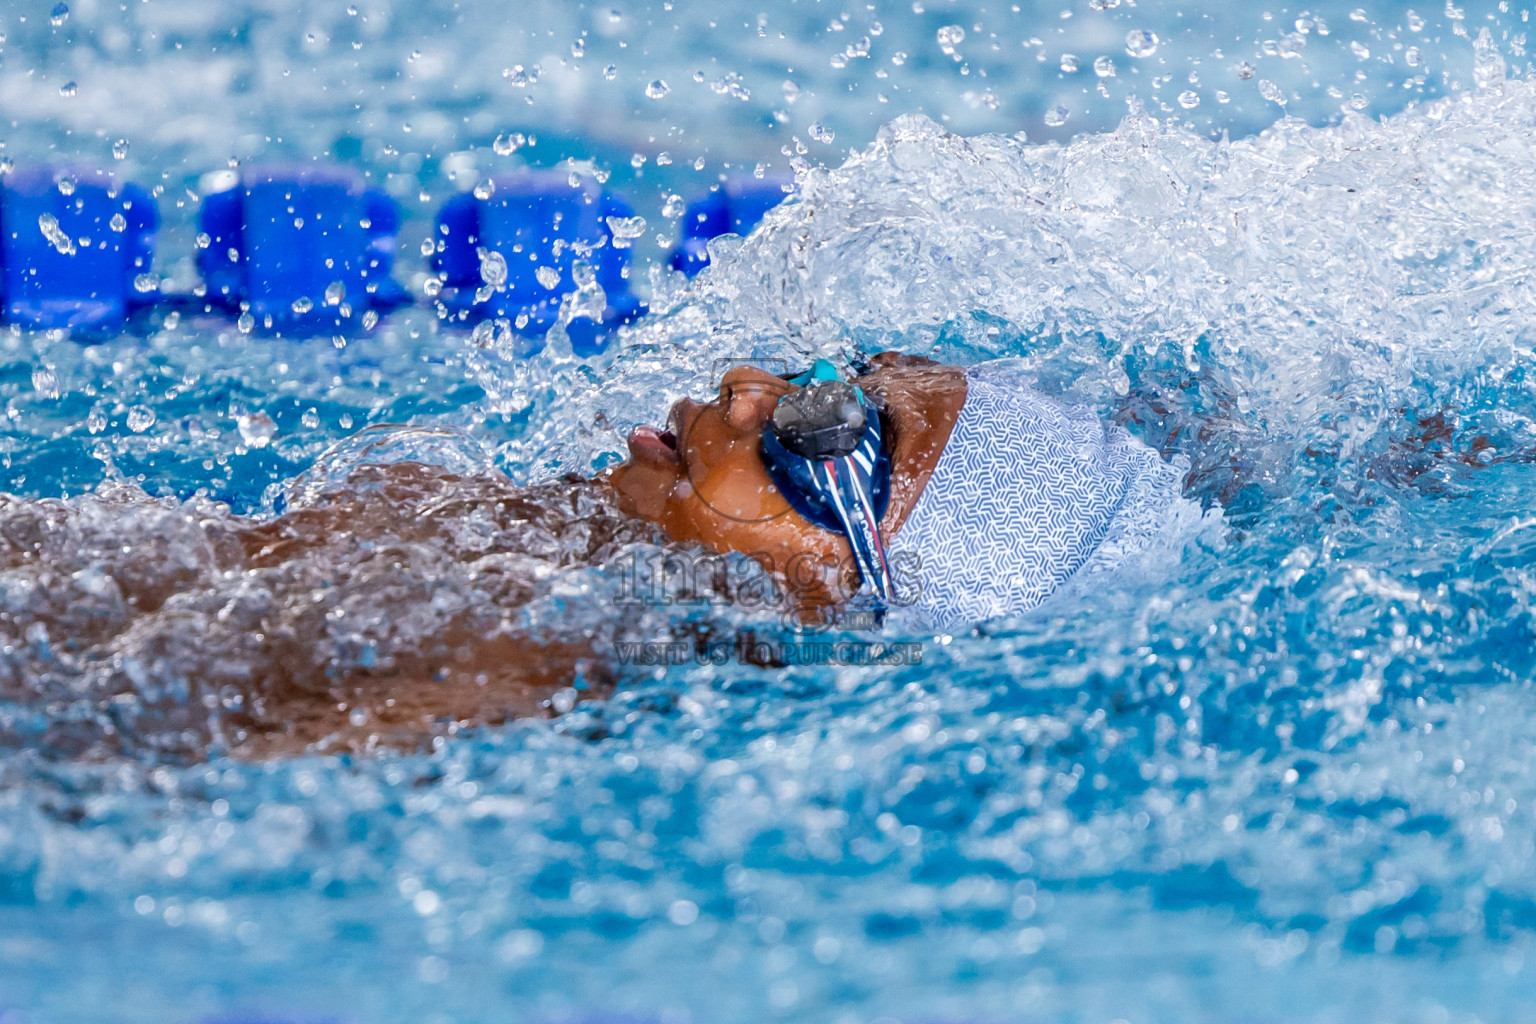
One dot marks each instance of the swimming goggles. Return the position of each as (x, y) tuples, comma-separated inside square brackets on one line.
[(824, 450)]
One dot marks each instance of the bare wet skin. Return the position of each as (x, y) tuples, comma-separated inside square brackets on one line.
[(378, 617), (384, 614)]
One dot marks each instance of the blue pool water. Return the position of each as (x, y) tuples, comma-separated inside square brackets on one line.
[(1279, 772)]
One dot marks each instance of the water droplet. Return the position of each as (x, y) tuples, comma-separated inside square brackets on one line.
[(821, 133), (431, 287), (370, 320), (1245, 71), (1189, 99), (1272, 92), (140, 419), (246, 324), (494, 334), (520, 76), (1360, 50), (334, 293), (1488, 67), (1357, 101), (579, 48), (118, 222), (68, 89), (303, 304), (1415, 23), (1140, 42), (485, 188), (1411, 57), (625, 230), (949, 37), (59, 15), (610, 72), (657, 89), (352, 10), (428, 247), (549, 277), (1103, 5), (506, 145), (1358, 14), (146, 283), (120, 149), (256, 429), (1070, 63), (311, 418), (49, 225), (674, 206), (1104, 67), (493, 268), (45, 382), (203, 241), (96, 422), (1056, 116)]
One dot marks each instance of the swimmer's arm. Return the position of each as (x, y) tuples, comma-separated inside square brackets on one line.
[(361, 545)]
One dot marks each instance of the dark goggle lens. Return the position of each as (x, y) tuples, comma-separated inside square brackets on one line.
[(825, 420)]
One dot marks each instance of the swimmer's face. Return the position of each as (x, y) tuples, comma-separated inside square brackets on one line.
[(703, 479)]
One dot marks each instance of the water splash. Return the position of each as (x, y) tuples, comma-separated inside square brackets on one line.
[(1288, 768), (48, 224), (1316, 275)]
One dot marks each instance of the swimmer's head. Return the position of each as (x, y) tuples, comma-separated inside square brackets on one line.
[(703, 478)]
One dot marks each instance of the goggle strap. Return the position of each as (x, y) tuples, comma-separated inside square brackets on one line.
[(847, 485), (841, 479)]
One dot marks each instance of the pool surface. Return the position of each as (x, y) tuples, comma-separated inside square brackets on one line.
[(1278, 771)]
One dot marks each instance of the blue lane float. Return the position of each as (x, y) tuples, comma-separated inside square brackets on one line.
[(734, 207), (302, 249), (520, 246), (72, 245)]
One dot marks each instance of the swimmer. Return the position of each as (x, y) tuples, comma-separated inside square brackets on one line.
[(394, 609)]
